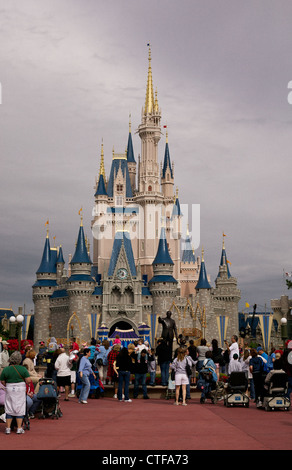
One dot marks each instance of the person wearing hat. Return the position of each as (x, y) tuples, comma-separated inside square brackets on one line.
[(4, 355)]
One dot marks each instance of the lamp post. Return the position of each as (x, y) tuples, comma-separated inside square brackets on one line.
[(18, 321), (284, 330)]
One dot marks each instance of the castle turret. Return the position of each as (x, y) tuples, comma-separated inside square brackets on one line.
[(131, 161), (43, 288), (80, 284), (163, 286), (167, 177), (189, 271)]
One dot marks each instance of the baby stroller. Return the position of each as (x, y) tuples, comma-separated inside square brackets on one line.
[(48, 395), (206, 385), (96, 386), (170, 392), (275, 395), (236, 388)]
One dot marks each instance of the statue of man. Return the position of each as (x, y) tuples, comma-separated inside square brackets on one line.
[(168, 329)]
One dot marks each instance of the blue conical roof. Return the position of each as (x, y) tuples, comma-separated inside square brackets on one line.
[(46, 265), (81, 254), (60, 256), (122, 238), (101, 191), (188, 254), (130, 151), (203, 282), (162, 256), (166, 163), (176, 211), (116, 164), (224, 261)]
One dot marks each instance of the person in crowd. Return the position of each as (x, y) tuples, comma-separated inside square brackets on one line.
[(277, 369), (152, 367), (271, 359), (117, 340), (15, 377), (263, 355), (201, 349), (112, 356), (256, 368), (208, 365), (232, 348), (245, 358), (32, 401), (74, 346), (41, 353), (29, 364), (4, 355), (140, 370), (100, 359), (234, 364), (49, 360), (92, 348), (85, 369), (162, 353), (53, 345), (181, 377), (192, 351), (74, 359), (123, 367), (63, 367), (217, 355)]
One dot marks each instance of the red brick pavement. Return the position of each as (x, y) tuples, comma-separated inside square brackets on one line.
[(154, 424)]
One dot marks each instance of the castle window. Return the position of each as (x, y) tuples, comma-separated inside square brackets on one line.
[(119, 188), (149, 188)]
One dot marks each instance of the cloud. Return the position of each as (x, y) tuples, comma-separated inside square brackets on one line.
[(71, 74)]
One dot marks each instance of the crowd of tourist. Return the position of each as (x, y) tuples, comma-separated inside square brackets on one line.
[(116, 364)]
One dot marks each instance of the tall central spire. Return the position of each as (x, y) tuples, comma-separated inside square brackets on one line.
[(149, 101)]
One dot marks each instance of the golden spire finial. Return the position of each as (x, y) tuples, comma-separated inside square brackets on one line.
[(130, 124), (101, 168), (166, 136), (203, 254), (149, 101), (81, 217), (223, 243), (47, 224)]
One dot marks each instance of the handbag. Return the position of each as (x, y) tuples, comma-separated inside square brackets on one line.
[(188, 368)]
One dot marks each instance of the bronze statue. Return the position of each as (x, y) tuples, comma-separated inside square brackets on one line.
[(168, 329)]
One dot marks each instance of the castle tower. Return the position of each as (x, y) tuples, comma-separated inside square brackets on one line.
[(167, 174), (102, 231), (131, 161), (80, 285), (189, 274), (162, 286), (43, 288), (226, 297), (150, 133), (60, 266)]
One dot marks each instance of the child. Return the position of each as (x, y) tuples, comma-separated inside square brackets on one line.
[(152, 367)]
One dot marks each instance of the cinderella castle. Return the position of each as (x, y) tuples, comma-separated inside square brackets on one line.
[(142, 265)]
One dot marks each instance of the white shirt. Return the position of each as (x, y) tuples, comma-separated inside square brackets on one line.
[(234, 366)]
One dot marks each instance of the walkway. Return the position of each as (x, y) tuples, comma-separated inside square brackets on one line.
[(154, 424)]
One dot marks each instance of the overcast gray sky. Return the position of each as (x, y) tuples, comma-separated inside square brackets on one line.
[(72, 71)]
